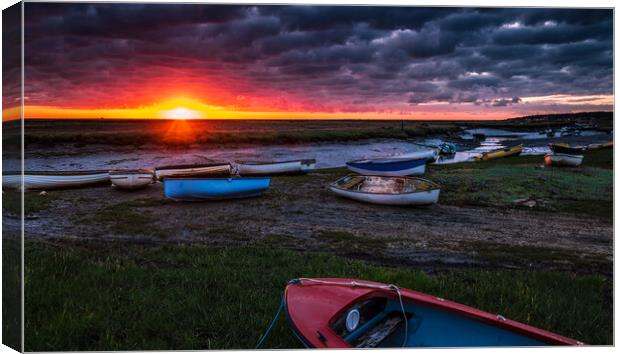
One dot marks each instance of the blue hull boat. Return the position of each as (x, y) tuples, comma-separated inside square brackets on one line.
[(389, 166), (197, 189)]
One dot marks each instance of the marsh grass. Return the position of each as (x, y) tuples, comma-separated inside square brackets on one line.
[(586, 190), (106, 296), (352, 243), (33, 201), (126, 218), (286, 136), (533, 255)]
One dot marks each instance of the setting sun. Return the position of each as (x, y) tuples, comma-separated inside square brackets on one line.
[(182, 113)]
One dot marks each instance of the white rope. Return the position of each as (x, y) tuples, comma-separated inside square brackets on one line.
[(372, 286)]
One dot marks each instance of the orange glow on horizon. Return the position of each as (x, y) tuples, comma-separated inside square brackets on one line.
[(184, 107)]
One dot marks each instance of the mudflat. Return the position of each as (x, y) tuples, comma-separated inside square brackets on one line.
[(481, 218)]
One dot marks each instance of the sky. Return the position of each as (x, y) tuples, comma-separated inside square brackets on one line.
[(223, 61)]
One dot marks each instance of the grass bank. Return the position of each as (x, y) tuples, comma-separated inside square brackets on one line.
[(587, 189), (105, 296)]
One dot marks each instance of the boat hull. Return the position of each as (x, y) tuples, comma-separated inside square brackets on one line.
[(55, 180), (606, 145), (275, 168), (317, 308), (131, 180), (565, 149), (388, 167), (199, 189), (513, 151), (380, 190), (210, 170), (413, 199), (563, 160)]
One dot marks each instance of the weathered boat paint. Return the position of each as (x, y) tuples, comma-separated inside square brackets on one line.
[(259, 168), (201, 170)]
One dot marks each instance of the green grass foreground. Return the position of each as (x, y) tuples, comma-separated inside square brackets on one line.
[(105, 296)]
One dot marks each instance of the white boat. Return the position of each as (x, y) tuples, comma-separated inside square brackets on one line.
[(389, 190), (563, 160), (54, 180), (254, 168), (428, 154), (204, 170), (131, 179)]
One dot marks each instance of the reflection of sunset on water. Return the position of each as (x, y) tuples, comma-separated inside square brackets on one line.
[(180, 131)]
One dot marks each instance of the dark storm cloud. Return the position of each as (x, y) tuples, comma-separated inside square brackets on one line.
[(374, 55), (11, 56)]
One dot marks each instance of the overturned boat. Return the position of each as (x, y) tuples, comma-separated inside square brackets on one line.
[(201, 170), (200, 189), (349, 313), (563, 148), (498, 153), (131, 179), (396, 166), (54, 179), (563, 160), (387, 190), (261, 168)]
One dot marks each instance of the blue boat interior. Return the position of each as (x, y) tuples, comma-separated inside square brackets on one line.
[(381, 325)]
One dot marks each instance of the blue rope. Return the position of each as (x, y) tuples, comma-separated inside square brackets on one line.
[(273, 322)]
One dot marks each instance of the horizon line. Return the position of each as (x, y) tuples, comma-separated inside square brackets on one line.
[(299, 119)]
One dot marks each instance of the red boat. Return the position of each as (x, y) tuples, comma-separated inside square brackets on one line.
[(349, 313)]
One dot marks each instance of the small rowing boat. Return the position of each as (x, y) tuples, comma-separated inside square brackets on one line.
[(609, 144), (131, 179), (504, 152), (387, 190), (199, 189), (259, 168), (349, 313), (389, 166), (563, 148), (54, 179), (563, 160), (202, 170)]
